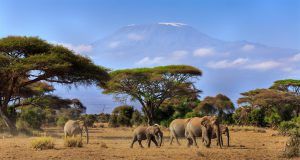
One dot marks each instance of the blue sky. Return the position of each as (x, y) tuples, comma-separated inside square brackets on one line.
[(272, 22), (78, 23)]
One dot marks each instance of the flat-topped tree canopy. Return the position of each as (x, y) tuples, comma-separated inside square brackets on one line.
[(170, 69), (287, 85), (152, 86), (28, 60)]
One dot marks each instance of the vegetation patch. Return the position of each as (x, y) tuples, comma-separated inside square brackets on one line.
[(73, 142), (42, 143), (292, 148)]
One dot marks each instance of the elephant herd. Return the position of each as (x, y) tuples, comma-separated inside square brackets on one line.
[(206, 127)]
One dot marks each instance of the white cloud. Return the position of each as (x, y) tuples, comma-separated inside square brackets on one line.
[(135, 37), (173, 58), (296, 58), (114, 44), (203, 52), (265, 65), (179, 54), (248, 47), (148, 61), (174, 24), (227, 63), (81, 48)]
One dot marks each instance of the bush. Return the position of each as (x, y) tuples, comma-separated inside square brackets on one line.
[(113, 121), (61, 121), (89, 119), (136, 118), (166, 123), (42, 143), (274, 119), (292, 148), (286, 127), (256, 117), (191, 115), (34, 116), (73, 142)]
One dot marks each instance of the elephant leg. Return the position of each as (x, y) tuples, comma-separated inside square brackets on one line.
[(190, 142), (195, 142), (140, 143), (222, 140), (133, 141), (171, 140), (65, 135), (177, 140), (149, 142), (154, 141)]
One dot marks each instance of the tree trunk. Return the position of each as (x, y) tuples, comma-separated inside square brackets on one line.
[(11, 126)]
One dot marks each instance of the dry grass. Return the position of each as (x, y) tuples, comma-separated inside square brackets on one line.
[(114, 143), (42, 143), (73, 142)]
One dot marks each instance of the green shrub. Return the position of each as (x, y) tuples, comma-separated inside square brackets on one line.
[(113, 121), (61, 121), (166, 122), (137, 118), (89, 119), (256, 117), (33, 116), (42, 143), (274, 119), (286, 127), (191, 115), (73, 142)]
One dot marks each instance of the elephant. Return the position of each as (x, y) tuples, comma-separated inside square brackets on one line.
[(74, 128), (150, 133), (202, 127), (224, 130), (177, 129)]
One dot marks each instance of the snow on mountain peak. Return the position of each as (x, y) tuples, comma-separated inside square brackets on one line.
[(172, 24)]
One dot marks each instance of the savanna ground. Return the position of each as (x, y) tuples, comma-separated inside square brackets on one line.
[(113, 143)]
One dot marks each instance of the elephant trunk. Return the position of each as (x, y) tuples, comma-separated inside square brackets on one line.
[(87, 133), (206, 136)]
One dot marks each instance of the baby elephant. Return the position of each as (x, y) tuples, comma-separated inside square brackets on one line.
[(150, 133)]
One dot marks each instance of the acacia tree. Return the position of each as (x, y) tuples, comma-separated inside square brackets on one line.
[(287, 85), (291, 86), (152, 86), (270, 100), (28, 60), (220, 104)]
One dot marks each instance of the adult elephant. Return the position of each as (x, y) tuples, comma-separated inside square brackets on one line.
[(203, 127), (177, 129), (74, 128), (150, 133)]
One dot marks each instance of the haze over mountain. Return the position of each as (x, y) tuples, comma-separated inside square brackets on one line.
[(228, 67)]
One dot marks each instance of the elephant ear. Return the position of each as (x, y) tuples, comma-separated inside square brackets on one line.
[(205, 123)]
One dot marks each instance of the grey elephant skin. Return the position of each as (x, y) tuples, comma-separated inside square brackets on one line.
[(74, 128), (177, 129), (203, 127), (150, 133)]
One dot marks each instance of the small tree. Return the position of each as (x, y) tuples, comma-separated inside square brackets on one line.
[(152, 86)]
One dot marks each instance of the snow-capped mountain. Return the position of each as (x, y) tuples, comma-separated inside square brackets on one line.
[(153, 42), (228, 67)]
